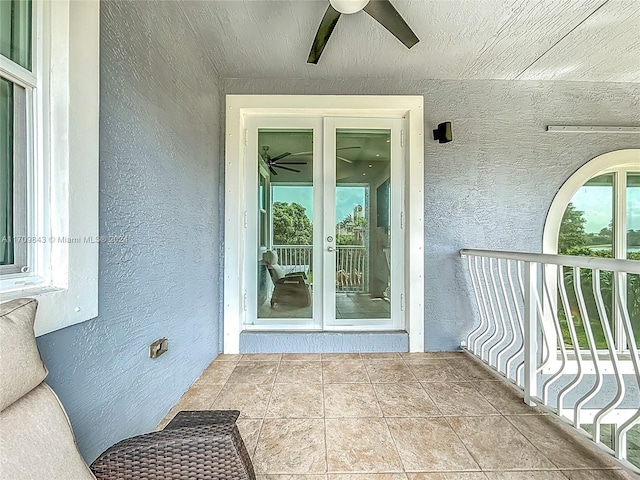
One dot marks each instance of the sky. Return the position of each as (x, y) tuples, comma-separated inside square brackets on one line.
[(347, 198), (597, 204)]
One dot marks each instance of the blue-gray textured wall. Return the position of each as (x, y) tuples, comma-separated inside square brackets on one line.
[(493, 185), (160, 180), (161, 176)]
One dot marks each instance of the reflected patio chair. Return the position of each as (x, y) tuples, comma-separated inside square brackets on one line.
[(291, 289)]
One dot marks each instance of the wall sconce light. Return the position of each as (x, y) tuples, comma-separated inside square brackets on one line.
[(443, 133)]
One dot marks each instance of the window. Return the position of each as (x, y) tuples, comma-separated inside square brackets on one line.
[(16, 93), (601, 218), (48, 157)]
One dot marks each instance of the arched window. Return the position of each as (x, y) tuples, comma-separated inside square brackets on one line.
[(596, 213)]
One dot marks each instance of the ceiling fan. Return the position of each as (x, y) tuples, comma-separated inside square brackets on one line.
[(273, 163), (381, 10)]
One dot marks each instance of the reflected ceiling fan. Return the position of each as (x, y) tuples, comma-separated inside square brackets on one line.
[(274, 162), (381, 10)]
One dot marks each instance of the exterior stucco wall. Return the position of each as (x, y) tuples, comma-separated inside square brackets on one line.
[(493, 185), (159, 186)]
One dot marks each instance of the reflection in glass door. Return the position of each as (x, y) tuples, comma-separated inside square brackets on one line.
[(324, 232), (285, 247), (362, 228)]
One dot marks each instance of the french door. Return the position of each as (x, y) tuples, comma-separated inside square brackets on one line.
[(324, 225)]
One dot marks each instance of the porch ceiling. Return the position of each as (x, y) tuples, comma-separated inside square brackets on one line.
[(577, 40)]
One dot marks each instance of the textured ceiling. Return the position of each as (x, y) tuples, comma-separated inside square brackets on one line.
[(582, 40)]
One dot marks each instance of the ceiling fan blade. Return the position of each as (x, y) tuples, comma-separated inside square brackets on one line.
[(348, 148), (287, 168), (282, 155), (325, 30), (344, 159), (275, 164), (271, 169), (387, 16)]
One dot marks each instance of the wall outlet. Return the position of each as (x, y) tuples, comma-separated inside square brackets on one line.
[(158, 347)]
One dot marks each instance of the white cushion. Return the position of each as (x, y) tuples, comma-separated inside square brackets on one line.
[(21, 368), (37, 441)]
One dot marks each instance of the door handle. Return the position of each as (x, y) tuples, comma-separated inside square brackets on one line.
[(331, 249)]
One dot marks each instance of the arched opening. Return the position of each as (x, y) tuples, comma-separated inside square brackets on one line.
[(596, 213)]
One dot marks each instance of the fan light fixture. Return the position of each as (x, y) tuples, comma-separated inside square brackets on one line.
[(348, 6), (382, 11)]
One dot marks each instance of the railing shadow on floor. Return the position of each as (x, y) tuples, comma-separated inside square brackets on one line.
[(566, 331)]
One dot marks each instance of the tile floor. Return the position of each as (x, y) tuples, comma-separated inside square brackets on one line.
[(424, 416), (348, 306)]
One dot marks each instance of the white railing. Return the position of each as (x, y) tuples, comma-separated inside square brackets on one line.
[(562, 329), (351, 269), (352, 272), (295, 258)]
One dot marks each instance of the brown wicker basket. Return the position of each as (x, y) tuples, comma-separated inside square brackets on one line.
[(194, 445)]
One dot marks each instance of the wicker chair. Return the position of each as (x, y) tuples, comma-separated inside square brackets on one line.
[(37, 441), (291, 289)]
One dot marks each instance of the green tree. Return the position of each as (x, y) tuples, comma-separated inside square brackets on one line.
[(572, 232), (291, 226)]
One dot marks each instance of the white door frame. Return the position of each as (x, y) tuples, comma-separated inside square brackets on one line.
[(238, 108)]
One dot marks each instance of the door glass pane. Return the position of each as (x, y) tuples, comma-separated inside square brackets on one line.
[(587, 230), (363, 228), (285, 238), (633, 250), (6, 173), (15, 31)]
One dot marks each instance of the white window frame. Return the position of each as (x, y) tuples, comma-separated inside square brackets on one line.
[(238, 107), (619, 162), (62, 191)]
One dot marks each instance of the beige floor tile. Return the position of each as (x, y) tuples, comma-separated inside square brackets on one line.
[(597, 475), (350, 400), (389, 372), (470, 369), (435, 371), (290, 477), (250, 399), (447, 476), (465, 476), (225, 357), (199, 397), (291, 446), (249, 431), (426, 476), (366, 476), (254, 372), (340, 356), (217, 372), (344, 371), (429, 444), (404, 400), (299, 372), (302, 357), (261, 357), (380, 356), (535, 475), (505, 399), (296, 400), (458, 399), (498, 445), (564, 449), (419, 357), (360, 445)]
